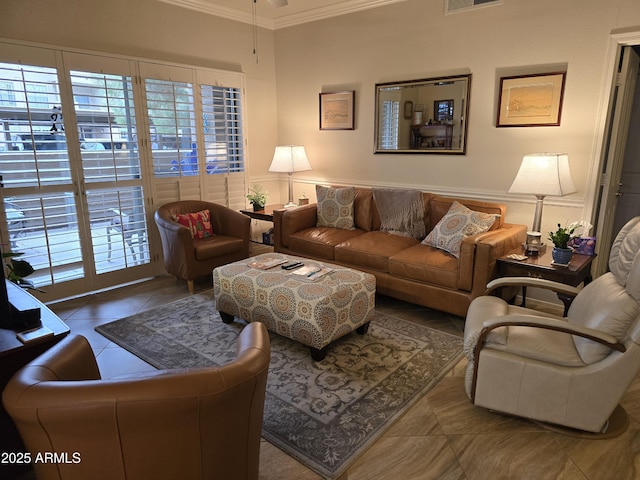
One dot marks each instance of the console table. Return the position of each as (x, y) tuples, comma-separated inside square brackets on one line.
[(13, 356), (539, 266)]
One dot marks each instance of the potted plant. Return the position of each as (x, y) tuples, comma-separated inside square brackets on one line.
[(16, 270), (257, 197), (562, 252)]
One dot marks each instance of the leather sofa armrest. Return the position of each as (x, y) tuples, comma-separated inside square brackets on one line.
[(287, 222), (490, 246)]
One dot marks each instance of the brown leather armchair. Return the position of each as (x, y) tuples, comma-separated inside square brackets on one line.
[(188, 258), (194, 423)]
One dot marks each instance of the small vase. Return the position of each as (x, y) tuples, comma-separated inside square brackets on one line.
[(561, 256), (257, 207)]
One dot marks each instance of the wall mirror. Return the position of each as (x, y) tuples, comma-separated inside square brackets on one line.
[(423, 116)]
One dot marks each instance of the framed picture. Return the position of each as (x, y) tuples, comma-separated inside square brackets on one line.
[(408, 109), (337, 110), (531, 100)]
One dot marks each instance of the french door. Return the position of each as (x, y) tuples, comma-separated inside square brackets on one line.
[(87, 142), (72, 176)]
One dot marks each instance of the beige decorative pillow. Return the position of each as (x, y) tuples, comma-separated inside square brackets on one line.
[(458, 223), (335, 207)]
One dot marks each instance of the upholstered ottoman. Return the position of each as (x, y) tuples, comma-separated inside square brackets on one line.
[(314, 313)]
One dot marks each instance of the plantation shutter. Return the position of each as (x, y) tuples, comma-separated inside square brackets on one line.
[(195, 130)]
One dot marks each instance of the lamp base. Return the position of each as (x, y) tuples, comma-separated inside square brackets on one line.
[(290, 205)]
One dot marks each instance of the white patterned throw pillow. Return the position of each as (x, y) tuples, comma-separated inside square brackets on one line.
[(335, 207), (458, 223)]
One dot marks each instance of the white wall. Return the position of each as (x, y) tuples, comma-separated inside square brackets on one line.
[(413, 40), (402, 41)]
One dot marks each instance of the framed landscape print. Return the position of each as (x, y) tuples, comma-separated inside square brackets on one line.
[(337, 110), (531, 100)]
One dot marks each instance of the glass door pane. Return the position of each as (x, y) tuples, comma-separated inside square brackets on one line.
[(172, 128), (39, 193), (111, 168)]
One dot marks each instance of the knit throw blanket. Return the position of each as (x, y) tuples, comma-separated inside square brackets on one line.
[(401, 211)]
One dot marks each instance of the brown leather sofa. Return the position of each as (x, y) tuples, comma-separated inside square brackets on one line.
[(188, 258), (192, 423), (404, 268)]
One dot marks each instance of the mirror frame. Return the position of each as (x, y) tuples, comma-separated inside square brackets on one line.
[(446, 136)]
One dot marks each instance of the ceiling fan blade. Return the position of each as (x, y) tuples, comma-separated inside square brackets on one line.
[(278, 3)]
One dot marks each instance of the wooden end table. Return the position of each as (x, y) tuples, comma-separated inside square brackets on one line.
[(266, 214), (539, 266)]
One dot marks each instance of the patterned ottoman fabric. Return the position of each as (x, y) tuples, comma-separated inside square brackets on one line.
[(312, 313)]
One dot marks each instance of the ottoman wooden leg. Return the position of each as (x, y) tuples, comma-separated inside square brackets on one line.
[(318, 355), (362, 329), (226, 318)]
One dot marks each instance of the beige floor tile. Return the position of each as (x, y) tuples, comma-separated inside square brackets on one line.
[(419, 420), (114, 361), (458, 416), (277, 465), (408, 458), (513, 456)]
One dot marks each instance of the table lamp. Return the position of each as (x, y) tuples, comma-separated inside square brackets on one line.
[(289, 159), (542, 174)]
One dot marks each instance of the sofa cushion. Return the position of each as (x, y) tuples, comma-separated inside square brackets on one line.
[(363, 208), (319, 242), (335, 207), (198, 223), (439, 206), (216, 246), (372, 249), (458, 223), (426, 264)]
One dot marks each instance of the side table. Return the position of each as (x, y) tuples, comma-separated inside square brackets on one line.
[(266, 214), (539, 266), (13, 356)]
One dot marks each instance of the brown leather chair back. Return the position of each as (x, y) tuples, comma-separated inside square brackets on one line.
[(199, 423)]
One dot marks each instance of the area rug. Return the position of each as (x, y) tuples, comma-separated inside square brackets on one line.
[(324, 414)]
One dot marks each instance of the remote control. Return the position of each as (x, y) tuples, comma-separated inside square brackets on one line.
[(291, 266)]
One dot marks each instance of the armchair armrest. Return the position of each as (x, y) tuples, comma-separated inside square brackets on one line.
[(532, 282), (177, 245), (549, 324)]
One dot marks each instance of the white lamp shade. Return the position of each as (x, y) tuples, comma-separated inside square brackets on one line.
[(544, 174), (289, 159)]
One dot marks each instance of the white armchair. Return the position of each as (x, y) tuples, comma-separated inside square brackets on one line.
[(569, 371)]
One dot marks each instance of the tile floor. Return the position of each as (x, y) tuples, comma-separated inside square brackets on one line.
[(442, 437)]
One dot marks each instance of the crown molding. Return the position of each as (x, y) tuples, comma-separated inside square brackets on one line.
[(284, 21), (329, 11), (204, 6)]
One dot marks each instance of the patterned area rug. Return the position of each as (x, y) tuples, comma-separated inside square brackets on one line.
[(324, 414)]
